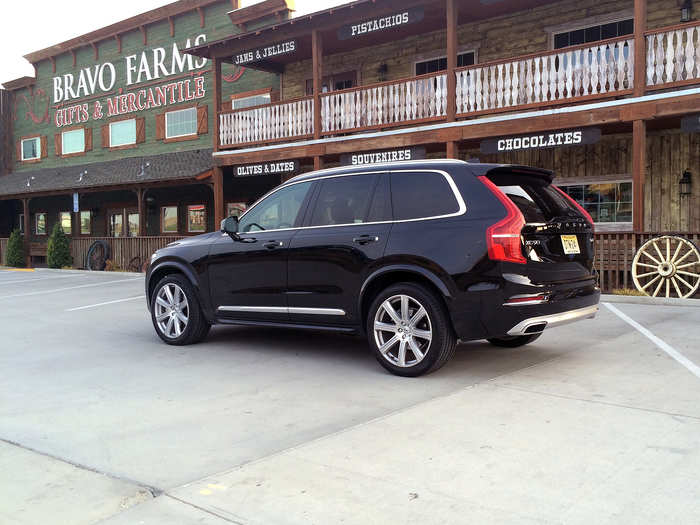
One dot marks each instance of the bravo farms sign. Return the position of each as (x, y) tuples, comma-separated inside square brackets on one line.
[(150, 79)]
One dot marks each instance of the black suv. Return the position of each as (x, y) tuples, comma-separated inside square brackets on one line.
[(416, 255)]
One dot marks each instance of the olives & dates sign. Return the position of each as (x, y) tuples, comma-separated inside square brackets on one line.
[(147, 68)]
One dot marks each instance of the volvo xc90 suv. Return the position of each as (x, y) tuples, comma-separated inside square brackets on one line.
[(414, 255)]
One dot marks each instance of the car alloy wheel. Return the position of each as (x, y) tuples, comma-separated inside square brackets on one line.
[(402, 331), (172, 311)]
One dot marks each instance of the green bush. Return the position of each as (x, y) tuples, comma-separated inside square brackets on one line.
[(15, 250), (58, 249)]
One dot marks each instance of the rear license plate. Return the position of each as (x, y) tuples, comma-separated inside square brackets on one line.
[(570, 244)]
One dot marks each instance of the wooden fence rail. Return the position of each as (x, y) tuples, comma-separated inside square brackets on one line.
[(673, 55), (123, 249)]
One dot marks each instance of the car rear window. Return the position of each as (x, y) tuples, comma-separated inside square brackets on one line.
[(419, 194), (535, 197), (343, 200)]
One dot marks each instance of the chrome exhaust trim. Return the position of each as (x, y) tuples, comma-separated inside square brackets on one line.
[(548, 321)]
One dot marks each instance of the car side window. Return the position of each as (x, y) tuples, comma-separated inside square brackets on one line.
[(420, 194), (277, 211), (380, 208), (343, 200)]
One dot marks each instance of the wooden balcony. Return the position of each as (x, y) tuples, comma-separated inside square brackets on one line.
[(575, 74)]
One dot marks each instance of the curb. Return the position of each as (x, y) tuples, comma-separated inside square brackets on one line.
[(649, 301), (52, 270)]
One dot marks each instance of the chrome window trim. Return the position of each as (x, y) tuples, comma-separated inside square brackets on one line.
[(282, 310), (450, 181)]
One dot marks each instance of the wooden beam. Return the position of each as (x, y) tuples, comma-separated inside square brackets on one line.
[(141, 196), (72, 52), (218, 188), (639, 168), (144, 35), (452, 11), (95, 50), (27, 232), (118, 38), (452, 150), (640, 47), (172, 26), (317, 66), (201, 16), (318, 162), (216, 85), (53, 64)]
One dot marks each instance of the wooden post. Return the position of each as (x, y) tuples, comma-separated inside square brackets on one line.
[(318, 162), (452, 10), (141, 196), (452, 150), (640, 47), (218, 188), (27, 233), (639, 165), (216, 82), (317, 60)]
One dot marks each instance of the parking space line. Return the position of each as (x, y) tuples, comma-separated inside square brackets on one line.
[(672, 352), (105, 303), (40, 279), (28, 294)]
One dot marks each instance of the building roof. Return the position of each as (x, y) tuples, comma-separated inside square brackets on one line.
[(185, 165), (18, 83)]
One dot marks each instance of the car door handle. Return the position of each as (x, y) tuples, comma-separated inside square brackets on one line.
[(365, 239), (271, 245)]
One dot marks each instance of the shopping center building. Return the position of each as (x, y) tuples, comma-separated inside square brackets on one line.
[(604, 93)]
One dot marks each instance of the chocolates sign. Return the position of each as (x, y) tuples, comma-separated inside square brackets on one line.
[(377, 157), (574, 137), (259, 54), (284, 167), (381, 24)]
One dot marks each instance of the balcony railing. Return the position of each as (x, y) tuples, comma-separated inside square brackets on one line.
[(292, 119), (574, 74), (590, 71), (417, 99), (673, 56)]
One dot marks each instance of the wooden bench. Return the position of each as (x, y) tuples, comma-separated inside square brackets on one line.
[(37, 249)]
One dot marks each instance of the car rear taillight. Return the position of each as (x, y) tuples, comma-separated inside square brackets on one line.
[(577, 205), (503, 238)]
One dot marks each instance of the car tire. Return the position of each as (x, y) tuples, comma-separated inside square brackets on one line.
[(428, 341), (513, 341), (175, 323)]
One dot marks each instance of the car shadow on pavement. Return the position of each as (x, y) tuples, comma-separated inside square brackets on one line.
[(473, 357)]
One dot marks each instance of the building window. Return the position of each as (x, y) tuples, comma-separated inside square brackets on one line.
[(168, 219), (65, 221), (335, 82), (31, 148), (181, 123), (21, 223), (235, 209), (593, 33), (116, 224), (85, 223), (134, 220), (196, 218), (122, 133), (440, 63), (73, 141), (40, 223), (251, 101), (606, 202)]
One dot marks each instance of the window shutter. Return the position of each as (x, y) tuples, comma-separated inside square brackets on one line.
[(202, 120), (105, 136), (57, 144), (88, 139), (140, 130), (44, 146), (160, 126), (19, 151)]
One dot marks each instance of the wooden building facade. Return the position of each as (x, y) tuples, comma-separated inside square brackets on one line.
[(605, 93)]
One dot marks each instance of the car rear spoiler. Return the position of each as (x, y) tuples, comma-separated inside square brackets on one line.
[(507, 169)]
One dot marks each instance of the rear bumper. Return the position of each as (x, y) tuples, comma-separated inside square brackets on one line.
[(536, 325)]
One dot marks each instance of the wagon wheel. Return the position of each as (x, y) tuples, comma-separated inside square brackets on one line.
[(97, 256), (134, 264), (667, 265)]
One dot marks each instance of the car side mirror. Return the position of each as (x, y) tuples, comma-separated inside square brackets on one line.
[(230, 225)]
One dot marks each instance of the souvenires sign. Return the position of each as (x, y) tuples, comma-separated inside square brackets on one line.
[(284, 167), (259, 54), (377, 157), (574, 137), (381, 24)]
